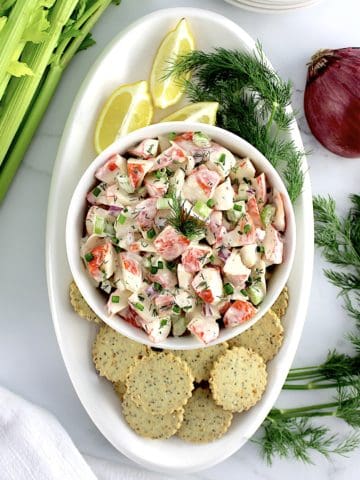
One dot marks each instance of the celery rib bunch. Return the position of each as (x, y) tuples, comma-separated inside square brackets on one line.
[(38, 39)]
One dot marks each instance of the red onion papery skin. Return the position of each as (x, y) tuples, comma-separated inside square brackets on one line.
[(332, 100)]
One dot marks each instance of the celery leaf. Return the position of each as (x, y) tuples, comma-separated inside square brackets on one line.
[(36, 29), (19, 69)]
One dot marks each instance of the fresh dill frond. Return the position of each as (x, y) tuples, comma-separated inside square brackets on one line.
[(253, 103), (182, 220), (348, 399), (339, 240), (299, 438)]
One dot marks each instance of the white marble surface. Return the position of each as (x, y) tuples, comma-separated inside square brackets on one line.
[(31, 364)]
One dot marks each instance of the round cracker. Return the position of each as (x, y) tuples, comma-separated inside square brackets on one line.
[(265, 337), (80, 306), (281, 304), (201, 360), (120, 389), (238, 379), (160, 383), (113, 353), (149, 425), (204, 421)]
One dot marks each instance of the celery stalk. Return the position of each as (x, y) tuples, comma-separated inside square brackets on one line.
[(38, 58), (68, 49), (12, 32)]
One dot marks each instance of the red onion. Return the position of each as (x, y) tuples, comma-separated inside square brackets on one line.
[(224, 254), (332, 100), (114, 210)]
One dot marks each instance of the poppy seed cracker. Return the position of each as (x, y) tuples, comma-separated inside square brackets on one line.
[(160, 426), (113, 353), (201, 360), (265, 337), (204, 421), (80, 306), (160, 383), (238, 379)]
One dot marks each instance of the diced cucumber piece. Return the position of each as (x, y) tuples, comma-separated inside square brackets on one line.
[(201, 209), (179, 325), (236, 212), (163, 203), (255, 294), (99, 225), (267, 214), (201, 139)]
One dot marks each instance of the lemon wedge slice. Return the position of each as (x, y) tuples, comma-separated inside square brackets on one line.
[(128, 108), (203, 112), (166, 92)]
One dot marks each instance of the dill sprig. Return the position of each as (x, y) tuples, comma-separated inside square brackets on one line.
[(338, 369), (182, 220), (253, 103), (288, 432), (339, 240), (297, 437)]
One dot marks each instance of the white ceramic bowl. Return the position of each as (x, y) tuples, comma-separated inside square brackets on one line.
[(77, 211)]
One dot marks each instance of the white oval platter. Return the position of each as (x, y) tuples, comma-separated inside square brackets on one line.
[(127, 59)]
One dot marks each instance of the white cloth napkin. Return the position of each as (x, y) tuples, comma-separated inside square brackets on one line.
[(34, 446)]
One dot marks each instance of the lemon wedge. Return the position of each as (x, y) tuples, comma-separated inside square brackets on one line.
[(128, 108), (166, 92), (203, 112)]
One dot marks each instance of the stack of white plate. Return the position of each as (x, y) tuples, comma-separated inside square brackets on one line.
[(272, 6)]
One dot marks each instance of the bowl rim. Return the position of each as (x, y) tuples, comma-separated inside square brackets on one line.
[(76, 205)]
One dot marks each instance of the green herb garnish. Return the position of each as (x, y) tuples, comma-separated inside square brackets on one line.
[(115, 299), (139, 306), (171, 265), (121, 219), (228, 288), (222, 158), (157, 287), (153, 269), (210, 203), (96, 191), (150, 233), (183, 222), (160, 265), (89, 256), (176, 309), (253, 100), (163, 323), (247, 228)]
